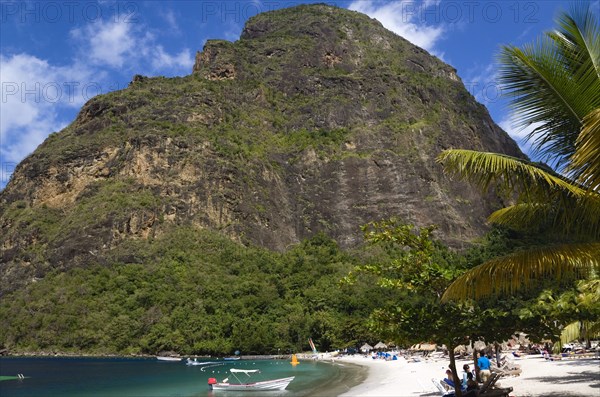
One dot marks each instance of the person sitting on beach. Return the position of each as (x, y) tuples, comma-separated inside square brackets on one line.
[(472, 389), (471, 382), (449, 379), (483, 364), (466, 375)]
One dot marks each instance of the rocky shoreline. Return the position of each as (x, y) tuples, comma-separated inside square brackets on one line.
[(8, 353)]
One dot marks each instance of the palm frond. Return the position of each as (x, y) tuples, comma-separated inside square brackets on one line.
[(508, 174), (541, 93), (521, 269), (554, 83), (572, 218), (578, 40), (586, 159), (570, 332), (580, 329), (540, 195), (579, 32), (523, 214)]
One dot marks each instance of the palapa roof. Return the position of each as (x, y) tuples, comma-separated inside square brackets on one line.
[(366, 347), (426, 347), (381, 345)]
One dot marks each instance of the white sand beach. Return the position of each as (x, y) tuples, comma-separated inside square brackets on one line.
[(569, 378)]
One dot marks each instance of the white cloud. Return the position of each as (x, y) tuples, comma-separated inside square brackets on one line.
[(33, 93), (402, 18), (162, 60), (171, 20), (39, 97), (109, 43), (123, 45)]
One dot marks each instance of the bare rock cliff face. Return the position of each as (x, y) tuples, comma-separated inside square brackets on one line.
[(317, 119)]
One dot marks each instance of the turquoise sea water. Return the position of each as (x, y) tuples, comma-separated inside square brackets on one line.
[(128, 377)]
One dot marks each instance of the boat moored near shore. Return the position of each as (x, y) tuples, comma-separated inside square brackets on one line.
[(247, 384), (167, 358)]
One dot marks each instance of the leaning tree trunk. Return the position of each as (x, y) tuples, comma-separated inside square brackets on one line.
[(498, 350), (477, 375), (457, 382)]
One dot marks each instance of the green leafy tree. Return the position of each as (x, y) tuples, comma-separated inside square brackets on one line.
[(554, 86), (416, 269)]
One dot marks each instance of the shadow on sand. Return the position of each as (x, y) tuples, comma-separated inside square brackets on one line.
[(571, 376)]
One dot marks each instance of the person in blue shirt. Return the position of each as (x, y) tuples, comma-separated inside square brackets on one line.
[(483, 365)]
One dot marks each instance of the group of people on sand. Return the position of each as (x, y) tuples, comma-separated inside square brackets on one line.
[(468, 382)]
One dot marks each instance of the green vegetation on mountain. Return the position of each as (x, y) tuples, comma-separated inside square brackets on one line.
[(218, 211), (317, 119), (193, 292)]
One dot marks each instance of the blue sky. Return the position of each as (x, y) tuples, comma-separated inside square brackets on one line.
[(56, 55)]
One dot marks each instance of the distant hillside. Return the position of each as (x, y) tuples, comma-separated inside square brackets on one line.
[(316, 120)]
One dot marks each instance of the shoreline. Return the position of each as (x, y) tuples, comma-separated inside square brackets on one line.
[(361, 376), (540, 377), (109, 355)]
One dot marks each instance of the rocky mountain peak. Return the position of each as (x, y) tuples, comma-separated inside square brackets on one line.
[(316, 120), (310, 38)]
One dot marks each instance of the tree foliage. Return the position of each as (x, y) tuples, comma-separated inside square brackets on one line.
[(416, 270), (193, 292)]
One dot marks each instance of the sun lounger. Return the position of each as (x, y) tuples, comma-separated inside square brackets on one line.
[(490, 382), (507, 369), (507, 372), (489, 390), (440, 385)]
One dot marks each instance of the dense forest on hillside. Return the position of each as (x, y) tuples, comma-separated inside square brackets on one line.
[(195, 292), (178, 298)]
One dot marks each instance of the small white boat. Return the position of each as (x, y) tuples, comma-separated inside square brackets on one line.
[(240, 385), (196, 362), (166, 358)]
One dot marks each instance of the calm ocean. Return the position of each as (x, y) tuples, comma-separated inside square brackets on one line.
[(127, 377)]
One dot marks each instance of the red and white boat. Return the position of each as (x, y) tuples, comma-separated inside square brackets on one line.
[(247, 383)]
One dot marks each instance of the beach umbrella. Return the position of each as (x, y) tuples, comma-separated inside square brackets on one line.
[(428, 347), (366, 348), (381, 345), (479, 345)]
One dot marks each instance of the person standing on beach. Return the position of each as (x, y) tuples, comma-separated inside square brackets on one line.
[(483, 365)]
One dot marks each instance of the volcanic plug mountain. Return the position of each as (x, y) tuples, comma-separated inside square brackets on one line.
[(317, 119)]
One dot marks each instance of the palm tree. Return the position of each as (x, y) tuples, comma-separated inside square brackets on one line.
[(554, 85), (585, 303)]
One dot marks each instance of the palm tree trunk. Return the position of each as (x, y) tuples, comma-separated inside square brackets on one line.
[(586, 335)]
